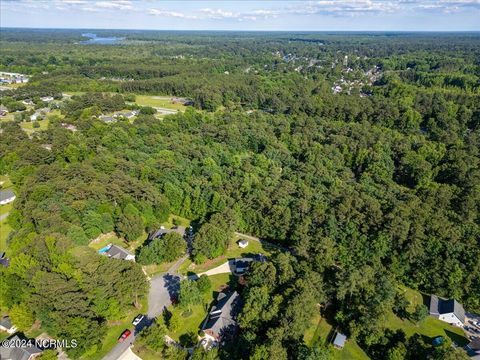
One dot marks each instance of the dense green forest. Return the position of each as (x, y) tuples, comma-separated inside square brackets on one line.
[(373, 187)]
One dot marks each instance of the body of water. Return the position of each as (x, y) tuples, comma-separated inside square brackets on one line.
[(97, 40)]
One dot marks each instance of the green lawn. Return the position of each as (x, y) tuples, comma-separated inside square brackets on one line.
[(233, 251), (320, 332), (158, 101), (180, 221), (29, 129), (106, 239), (6, 182), (5, 208)]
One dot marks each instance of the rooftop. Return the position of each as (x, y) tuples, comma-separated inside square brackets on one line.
[(6, 194)]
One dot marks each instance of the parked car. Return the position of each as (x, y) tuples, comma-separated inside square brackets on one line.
[(124, 335), (138, 319)]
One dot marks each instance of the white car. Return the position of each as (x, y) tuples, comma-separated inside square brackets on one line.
[(138, 320)]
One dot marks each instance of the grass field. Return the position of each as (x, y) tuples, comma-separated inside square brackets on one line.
[(29, 129), (6, 182), (5, 230), (5, 208), (106, 239), (158, 101), (233, 251), (178, 219)]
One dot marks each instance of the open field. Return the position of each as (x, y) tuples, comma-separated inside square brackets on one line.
[(29, 129), (158, 101)]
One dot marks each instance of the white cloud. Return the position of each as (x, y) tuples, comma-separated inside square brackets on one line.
[(167, 13)]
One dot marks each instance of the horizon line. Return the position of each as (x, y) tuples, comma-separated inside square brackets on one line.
[(241, 30)]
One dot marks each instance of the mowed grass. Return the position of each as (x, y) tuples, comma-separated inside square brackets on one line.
[(105, 239), (158, 101), (5, 230), (233, 251), (320, 332), (5, 208), (175, 219), (29, 129)]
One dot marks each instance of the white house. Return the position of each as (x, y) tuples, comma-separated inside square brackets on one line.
[(6, 325), (339, 341), (243, 243), (6, 196), (47, 98), (448, 310)]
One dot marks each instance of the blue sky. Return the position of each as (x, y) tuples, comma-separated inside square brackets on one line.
[(347, 15)]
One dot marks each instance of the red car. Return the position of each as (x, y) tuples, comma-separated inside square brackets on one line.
[(124, 335)]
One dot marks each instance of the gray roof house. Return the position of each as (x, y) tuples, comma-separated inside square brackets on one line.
[(116, 252), (4, 261), (6, 196), (222, 316), (6, 325), (448, 310), (339, 341), (107, 119), (19, 353)]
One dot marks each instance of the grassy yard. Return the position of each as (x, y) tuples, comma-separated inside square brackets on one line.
[(233, 251), (5, 230), (178, 219), (5, 208), (105, 239), (320, 332), (158, 101), (29, 129), (6, 182)]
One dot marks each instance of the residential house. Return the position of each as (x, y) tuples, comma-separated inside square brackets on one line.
[(4, 261), (6, 325), (242, 243), (221, 319), (242, 265), (448, 310), (6, 196), (27, 102), (116, 252), (107, 119), (27, 352), (47, 98), (69, 127), (339, 341)]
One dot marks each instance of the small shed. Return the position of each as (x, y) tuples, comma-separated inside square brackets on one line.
[(339, 341), (242, 243)]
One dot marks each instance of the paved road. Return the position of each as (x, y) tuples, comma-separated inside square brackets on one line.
[(163, 287), (4, 216)]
